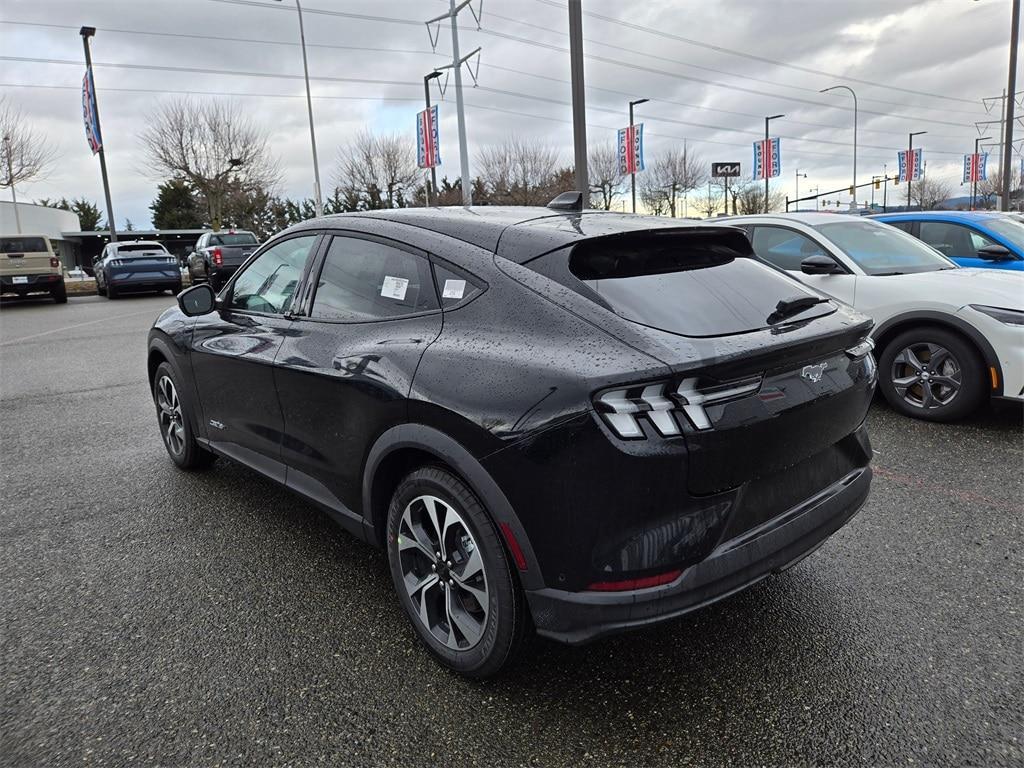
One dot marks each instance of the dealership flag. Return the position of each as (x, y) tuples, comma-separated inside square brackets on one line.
[(913, 160), (767, 159), (92, 125), (428, 152), (631, 148), (974, 168)]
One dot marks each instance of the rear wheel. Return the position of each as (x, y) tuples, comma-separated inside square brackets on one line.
[(175, 424), (932, 374), (111, 291), (452, 575), (60, 294)]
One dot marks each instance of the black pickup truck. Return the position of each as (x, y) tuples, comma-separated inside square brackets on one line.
[(218, 254)]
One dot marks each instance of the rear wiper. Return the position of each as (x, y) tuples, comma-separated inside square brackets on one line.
[(789, 307)]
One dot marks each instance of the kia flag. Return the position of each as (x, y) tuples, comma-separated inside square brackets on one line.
[(974, 168), (428, 145), (631, 148), (92, 125), (767, 159), (910, 165)]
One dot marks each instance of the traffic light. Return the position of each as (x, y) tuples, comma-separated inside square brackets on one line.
[(853, 190), (878, 184)]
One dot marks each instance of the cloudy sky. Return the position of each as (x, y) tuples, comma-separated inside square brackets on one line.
[(711, 69)]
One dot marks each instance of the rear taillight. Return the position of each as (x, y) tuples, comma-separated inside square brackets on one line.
[(629, 584), (217, 256), (54, 262)]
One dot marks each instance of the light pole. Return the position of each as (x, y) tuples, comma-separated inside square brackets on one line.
[(579, 111), (317, 199), (217, 207), (853, 188), (910, 160), (767, 171), (426, 95), (632, 176), (798, 177), (974, 183)]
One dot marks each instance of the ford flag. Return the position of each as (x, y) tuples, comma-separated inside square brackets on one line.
[(428, 153), (631, 148), (92, 125), (767, 159), (910, 171), (974, 168)]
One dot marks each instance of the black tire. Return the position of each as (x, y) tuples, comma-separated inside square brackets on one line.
[(111, 291), (60, 294), (176, 429), (929, 397), (100, 291), (502, 625)]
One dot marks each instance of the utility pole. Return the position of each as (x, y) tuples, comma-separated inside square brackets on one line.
[(911, 168), (632, 176), (853, 188), (1009, 100), (10, 179), (86, 33), (798, 176), (974, 183), (764, 158), (456, 66), (885, 188), (432, 186), (579, 110)]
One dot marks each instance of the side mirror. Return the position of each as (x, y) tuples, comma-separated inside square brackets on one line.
[(197, 300), (994, 252), (820, 264)]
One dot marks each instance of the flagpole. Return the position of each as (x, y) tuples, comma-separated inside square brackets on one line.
[(86, 33)]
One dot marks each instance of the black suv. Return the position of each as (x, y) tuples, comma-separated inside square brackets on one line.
[(581, 421)]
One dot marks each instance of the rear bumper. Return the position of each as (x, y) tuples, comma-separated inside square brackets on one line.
[(44, 283), (142, 281), (578, 617)]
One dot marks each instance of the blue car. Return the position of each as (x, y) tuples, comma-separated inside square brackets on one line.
[(970, 238)]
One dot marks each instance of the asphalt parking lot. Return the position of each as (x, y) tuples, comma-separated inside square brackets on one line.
[(148, 616)]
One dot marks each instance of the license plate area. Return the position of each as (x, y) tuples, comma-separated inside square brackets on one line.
[(20, 279)]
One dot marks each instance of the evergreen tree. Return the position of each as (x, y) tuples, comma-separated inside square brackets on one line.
[(176, 206)]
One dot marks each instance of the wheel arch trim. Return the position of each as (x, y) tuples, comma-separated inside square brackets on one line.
[(165, 347), (909, 320), (436, 443)]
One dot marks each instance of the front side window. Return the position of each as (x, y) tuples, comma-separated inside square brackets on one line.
[(268, 283), (1011, 230), (879, 249), (364, 280), (953, 240), (783, 247)]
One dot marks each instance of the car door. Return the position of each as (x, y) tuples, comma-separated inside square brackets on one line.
[(958, 242), (345, 370), (786, 248), (233, 351)]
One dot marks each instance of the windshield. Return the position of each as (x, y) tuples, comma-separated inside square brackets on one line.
[(1011, 230), (880, 249), (233, 238)]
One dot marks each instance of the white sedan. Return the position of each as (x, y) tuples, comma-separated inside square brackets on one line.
[(945, 336)]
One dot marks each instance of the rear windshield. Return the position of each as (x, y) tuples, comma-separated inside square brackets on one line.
[(141, 247), (22, 245), (233, 238), (692, 286)]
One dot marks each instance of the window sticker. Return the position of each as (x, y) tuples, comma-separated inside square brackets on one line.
[(453, 289), (394, 288)]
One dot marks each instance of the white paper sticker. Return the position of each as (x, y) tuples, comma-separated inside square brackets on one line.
[(394, 287), (453, 289)]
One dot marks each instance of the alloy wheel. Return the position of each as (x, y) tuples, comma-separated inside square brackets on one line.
[(171, 422), (926, 375), (443, 572)]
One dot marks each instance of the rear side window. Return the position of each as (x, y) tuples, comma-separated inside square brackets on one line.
[(364, 280), (454, 286), (693, 285), (23, 245)]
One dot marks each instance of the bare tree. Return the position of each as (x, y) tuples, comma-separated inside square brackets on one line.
[(605, 178), (928, 193), (519, 172), (707, 203), (378, 170), (992, 187), (25, 154), (217, 149), (674, 173)]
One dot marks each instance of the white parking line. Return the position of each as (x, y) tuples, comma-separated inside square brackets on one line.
[(72, 327)]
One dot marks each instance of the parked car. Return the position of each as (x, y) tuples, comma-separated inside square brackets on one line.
[(583, 422), (28, 265), (135, 266), (218, 254), (946, 338), (970, 238)]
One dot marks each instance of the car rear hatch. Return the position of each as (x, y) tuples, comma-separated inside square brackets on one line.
[(143, 262), (234, 248), (24, 255), (764, 374)]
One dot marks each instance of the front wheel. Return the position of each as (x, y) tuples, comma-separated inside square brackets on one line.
[(175, 425), (452, 575), (932, 374)]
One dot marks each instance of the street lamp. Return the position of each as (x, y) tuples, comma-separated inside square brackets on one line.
[(910, 155), (763, 158), (632, 176), (974, 184), (853, 188), (426, 95), (798, 177), (317, 199)]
